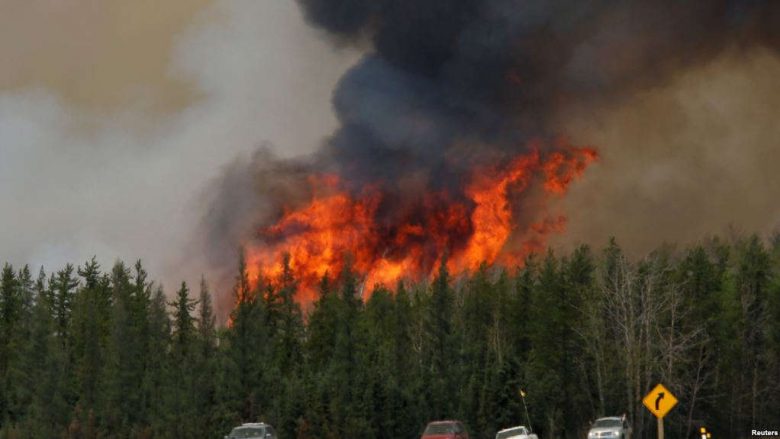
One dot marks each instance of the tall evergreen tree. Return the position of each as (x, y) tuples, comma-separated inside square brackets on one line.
[(63, 288), (549, 337), (91, 323), (206, 363), (10, 317), (242, 392), (440, 346), (181, 388), (48, 410), (158, 384)]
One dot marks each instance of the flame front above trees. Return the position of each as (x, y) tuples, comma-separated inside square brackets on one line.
[(431, 156), (390, 241)]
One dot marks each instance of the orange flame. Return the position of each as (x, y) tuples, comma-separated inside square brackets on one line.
[(472, 231)]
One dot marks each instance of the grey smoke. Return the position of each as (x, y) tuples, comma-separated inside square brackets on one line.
[(128, 182)]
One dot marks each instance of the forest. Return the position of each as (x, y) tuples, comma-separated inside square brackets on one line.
[(89, 352)]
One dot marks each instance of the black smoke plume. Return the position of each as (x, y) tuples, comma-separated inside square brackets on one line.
[(447, 84)]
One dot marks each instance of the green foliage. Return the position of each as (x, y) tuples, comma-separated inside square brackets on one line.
[(89, 354)]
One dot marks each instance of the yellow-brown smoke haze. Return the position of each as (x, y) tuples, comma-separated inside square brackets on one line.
[(115, 116), (694, 157), (100, 54)]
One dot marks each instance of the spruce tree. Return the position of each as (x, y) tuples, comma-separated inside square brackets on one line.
[(206, 363), (91, 323), (10, 305), (440, 351), (246, 354), (181, 388)]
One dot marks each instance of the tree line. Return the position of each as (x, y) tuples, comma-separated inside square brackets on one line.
[(87, 353)]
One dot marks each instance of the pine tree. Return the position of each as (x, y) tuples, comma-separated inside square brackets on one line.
[(10, 316), (246, 354), (63, 288), (286, 375), (319, 347), (548, 340), (181, 389), (157, 386), (342, 369), (91, 323), (125, 404), (440, 346), (206, 363), (48, 410), (578, 280)]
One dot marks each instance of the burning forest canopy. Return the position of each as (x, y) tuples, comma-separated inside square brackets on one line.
[(391, 236), (446, 146)]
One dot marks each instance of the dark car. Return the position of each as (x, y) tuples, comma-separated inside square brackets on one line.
[(445, 430)]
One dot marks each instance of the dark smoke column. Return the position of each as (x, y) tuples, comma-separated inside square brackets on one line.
[(455, 80)]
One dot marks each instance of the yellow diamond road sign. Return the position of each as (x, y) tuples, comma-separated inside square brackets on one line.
[(659, 401)]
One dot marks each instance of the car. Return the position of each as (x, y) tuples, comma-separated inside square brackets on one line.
[(253, 430), (612, 427), (445, 430), (519, 432)]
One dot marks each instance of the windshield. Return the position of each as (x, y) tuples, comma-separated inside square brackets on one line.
[(603, 423), (511, 432), (440, 428), (247, 432)]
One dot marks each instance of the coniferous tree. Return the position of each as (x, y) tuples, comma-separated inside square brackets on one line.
[(16, 291), (158, 385), (286, 376), (181, 387), (440, 351), (246, 349), (123, 398), (342, 369), (320, 346), (548, 339), (91, 323), (206, 362), (10, 314), (48, 409)]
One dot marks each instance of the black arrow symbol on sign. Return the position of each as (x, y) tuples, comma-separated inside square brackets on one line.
[(658, 400)]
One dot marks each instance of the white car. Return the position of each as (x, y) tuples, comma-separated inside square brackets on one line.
[(610, 428), (519, 432), (254, 430)]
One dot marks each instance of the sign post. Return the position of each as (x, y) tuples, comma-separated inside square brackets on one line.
[(659, 401), (527, 418)]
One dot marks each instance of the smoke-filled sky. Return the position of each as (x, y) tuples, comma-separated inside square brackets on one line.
[(121, 121), (115, 116)]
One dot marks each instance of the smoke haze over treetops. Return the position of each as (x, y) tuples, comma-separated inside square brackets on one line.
[(116, 115)]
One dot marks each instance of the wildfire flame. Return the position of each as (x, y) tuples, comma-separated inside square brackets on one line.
[(472, 227)]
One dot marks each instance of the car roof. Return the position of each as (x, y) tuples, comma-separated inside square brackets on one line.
[(615, 418), (445, 422), (512, 428), (253, 424)]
